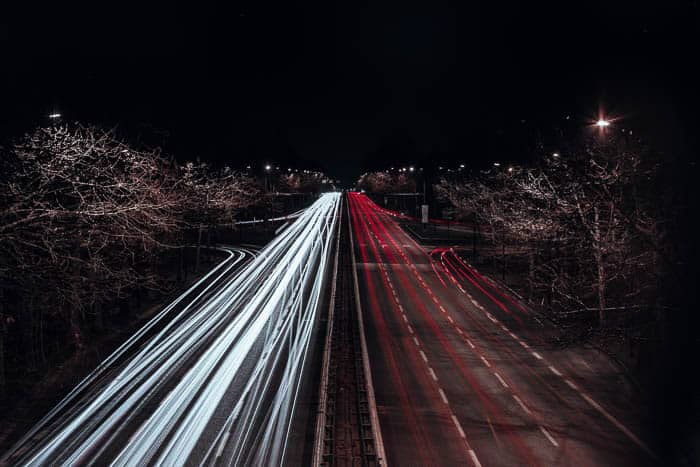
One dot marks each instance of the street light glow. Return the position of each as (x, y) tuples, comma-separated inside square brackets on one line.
[(411, 168), (602, 123), (555, 154), (496, 164), (55, 115), (268, 167)]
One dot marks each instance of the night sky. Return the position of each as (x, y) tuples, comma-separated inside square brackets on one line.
[(354, 85)]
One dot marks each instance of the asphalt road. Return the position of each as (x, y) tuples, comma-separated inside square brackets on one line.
[(214, 378), (466, 375)]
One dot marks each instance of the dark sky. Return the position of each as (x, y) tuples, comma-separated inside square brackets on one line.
[(353, 85)]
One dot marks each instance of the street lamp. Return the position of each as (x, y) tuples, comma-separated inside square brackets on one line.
[(411, 168), (496, 164), (54, 115), (268, 167), (602, 123)]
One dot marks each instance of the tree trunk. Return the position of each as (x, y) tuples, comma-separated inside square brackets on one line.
[(199, 247), (598, 254), (180, 264), (530, 272)]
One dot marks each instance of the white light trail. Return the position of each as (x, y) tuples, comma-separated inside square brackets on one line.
[(220, 379)]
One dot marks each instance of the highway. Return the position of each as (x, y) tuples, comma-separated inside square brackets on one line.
[(464, 374), (214, 377)]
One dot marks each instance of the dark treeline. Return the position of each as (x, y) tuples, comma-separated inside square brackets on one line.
[(91, 225)]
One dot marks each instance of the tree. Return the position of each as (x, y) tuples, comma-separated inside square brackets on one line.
[(83, 215), (590, 219), (214, 198)]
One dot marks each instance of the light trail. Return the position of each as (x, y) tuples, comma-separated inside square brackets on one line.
[(219, 383)]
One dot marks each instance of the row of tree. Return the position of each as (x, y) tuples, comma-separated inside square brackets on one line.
[(591, 225), (384, 182), (86, 222)]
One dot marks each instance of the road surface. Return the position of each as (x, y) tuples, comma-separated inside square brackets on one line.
[(464, 374), (217, 384)]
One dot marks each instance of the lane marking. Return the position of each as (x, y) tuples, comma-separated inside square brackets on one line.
[(619, 425), (500, 379), (415, 341), (432, 373), (475, 459), (571, 384), (410, 329), (554, 370), (404, 318), (470, 344), (537, 356), (443, 396), (486, 362), (222, 444), (459, 427), (549, 437), (449, 318), (517, 399), (422, 354)]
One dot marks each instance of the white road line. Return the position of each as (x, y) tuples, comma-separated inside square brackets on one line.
[(525, 346), (517, 399), (459, 427), (410, 329), (537, 356), (500, 379), (222, 444), (470, 344), (432, 373), (486, 362), (404, 318), (459, 331), (443, 396), (513, 336), (554, 370), (549, 437), (571, 384), (619, 425), (475, 459), (489, 316), (415, 341), (449, 318), (422, 354)]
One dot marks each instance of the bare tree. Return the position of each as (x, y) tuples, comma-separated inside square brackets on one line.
[(83, 215), (592, 233), (214, 198)]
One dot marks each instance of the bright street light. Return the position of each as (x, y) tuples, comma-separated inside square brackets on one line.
[(55, 115), (411, 168), (555, 154), (602, 123), (496, 164), (268, 167)]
